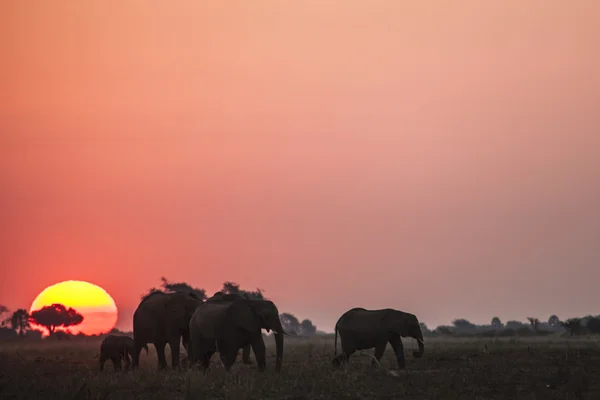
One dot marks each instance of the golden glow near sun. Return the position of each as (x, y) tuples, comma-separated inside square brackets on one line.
[(94, 303)]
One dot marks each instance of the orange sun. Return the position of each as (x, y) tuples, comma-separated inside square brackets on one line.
[(97, 307)]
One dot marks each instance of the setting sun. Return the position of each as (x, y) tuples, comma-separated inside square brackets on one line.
[(94, 303)]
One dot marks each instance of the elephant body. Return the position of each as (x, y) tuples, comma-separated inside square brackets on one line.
[(115, 348), (361, 329), (227, 323), (163, 318)]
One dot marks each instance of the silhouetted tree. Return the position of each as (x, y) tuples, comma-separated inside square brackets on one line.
[(496, 323), (54, 316), (593, 325), (4, 319), (443, 330), (534, 323), (307, 328), (573, 325), (290, 323), (512, 324), (19, 321), (234, 288), (178, 287), (424, 329), (464, 325), (553, 321)]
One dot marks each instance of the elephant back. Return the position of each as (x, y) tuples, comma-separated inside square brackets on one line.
[(209, 317), (110, 340)]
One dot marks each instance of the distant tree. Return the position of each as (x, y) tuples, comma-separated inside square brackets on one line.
[(534, 322), (19, 321), (424, 329), (593, 325), (177, 287), (496, 323), (307, 328), (553, 322), (4, 319), (573, 325), (512, 324), (443, 330), (234, 288), (54, 316), (462, 324), (290, 323)]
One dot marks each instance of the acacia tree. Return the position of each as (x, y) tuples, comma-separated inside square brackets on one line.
[(177, 287), (54, 316), (234, 288), (19, 321)]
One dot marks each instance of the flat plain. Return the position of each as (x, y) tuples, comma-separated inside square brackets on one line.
[(452, 368)]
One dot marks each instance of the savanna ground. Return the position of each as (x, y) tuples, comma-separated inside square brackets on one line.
[(507, 368)]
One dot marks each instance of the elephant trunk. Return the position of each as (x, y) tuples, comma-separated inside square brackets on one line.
[(279, 349), (419, 353)]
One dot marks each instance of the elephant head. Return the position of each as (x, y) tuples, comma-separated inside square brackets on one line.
[(406, 325), (265, 315)]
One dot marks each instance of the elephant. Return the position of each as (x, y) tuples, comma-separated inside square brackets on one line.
[(226, 323), (115, 348), (231, 296), (163, 318), (361, 329)]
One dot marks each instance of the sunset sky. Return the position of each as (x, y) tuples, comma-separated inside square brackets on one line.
[(437, 157)]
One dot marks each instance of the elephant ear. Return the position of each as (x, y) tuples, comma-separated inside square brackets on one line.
[(396, 321), (249, 315)]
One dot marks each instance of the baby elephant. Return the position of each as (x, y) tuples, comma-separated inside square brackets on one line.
[(115, 348)]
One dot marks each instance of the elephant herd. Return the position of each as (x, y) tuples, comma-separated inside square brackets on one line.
[(226, 323)]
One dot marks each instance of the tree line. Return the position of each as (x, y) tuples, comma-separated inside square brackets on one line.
[(533, 327), (57, 319)]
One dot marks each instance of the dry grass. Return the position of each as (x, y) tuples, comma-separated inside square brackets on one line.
[(532, 368)]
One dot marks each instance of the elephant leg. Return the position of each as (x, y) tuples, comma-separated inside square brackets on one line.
[(398, 347), (246, 355), (258, 346), (228, 356), (174, 345), (103, 359), (135, 356), (206, 360), (116, 361), (160, 352), (378, 353), (344, 357)]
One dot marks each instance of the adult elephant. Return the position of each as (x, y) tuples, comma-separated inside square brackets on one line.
[(226, 323), (234, 296), (361, 329), (163, 318)]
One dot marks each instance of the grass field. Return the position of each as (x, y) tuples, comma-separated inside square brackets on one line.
[(522, 368)]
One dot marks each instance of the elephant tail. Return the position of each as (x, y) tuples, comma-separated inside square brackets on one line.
[(335, 341)]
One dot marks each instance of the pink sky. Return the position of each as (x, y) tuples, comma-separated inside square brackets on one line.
[(441, 158)]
